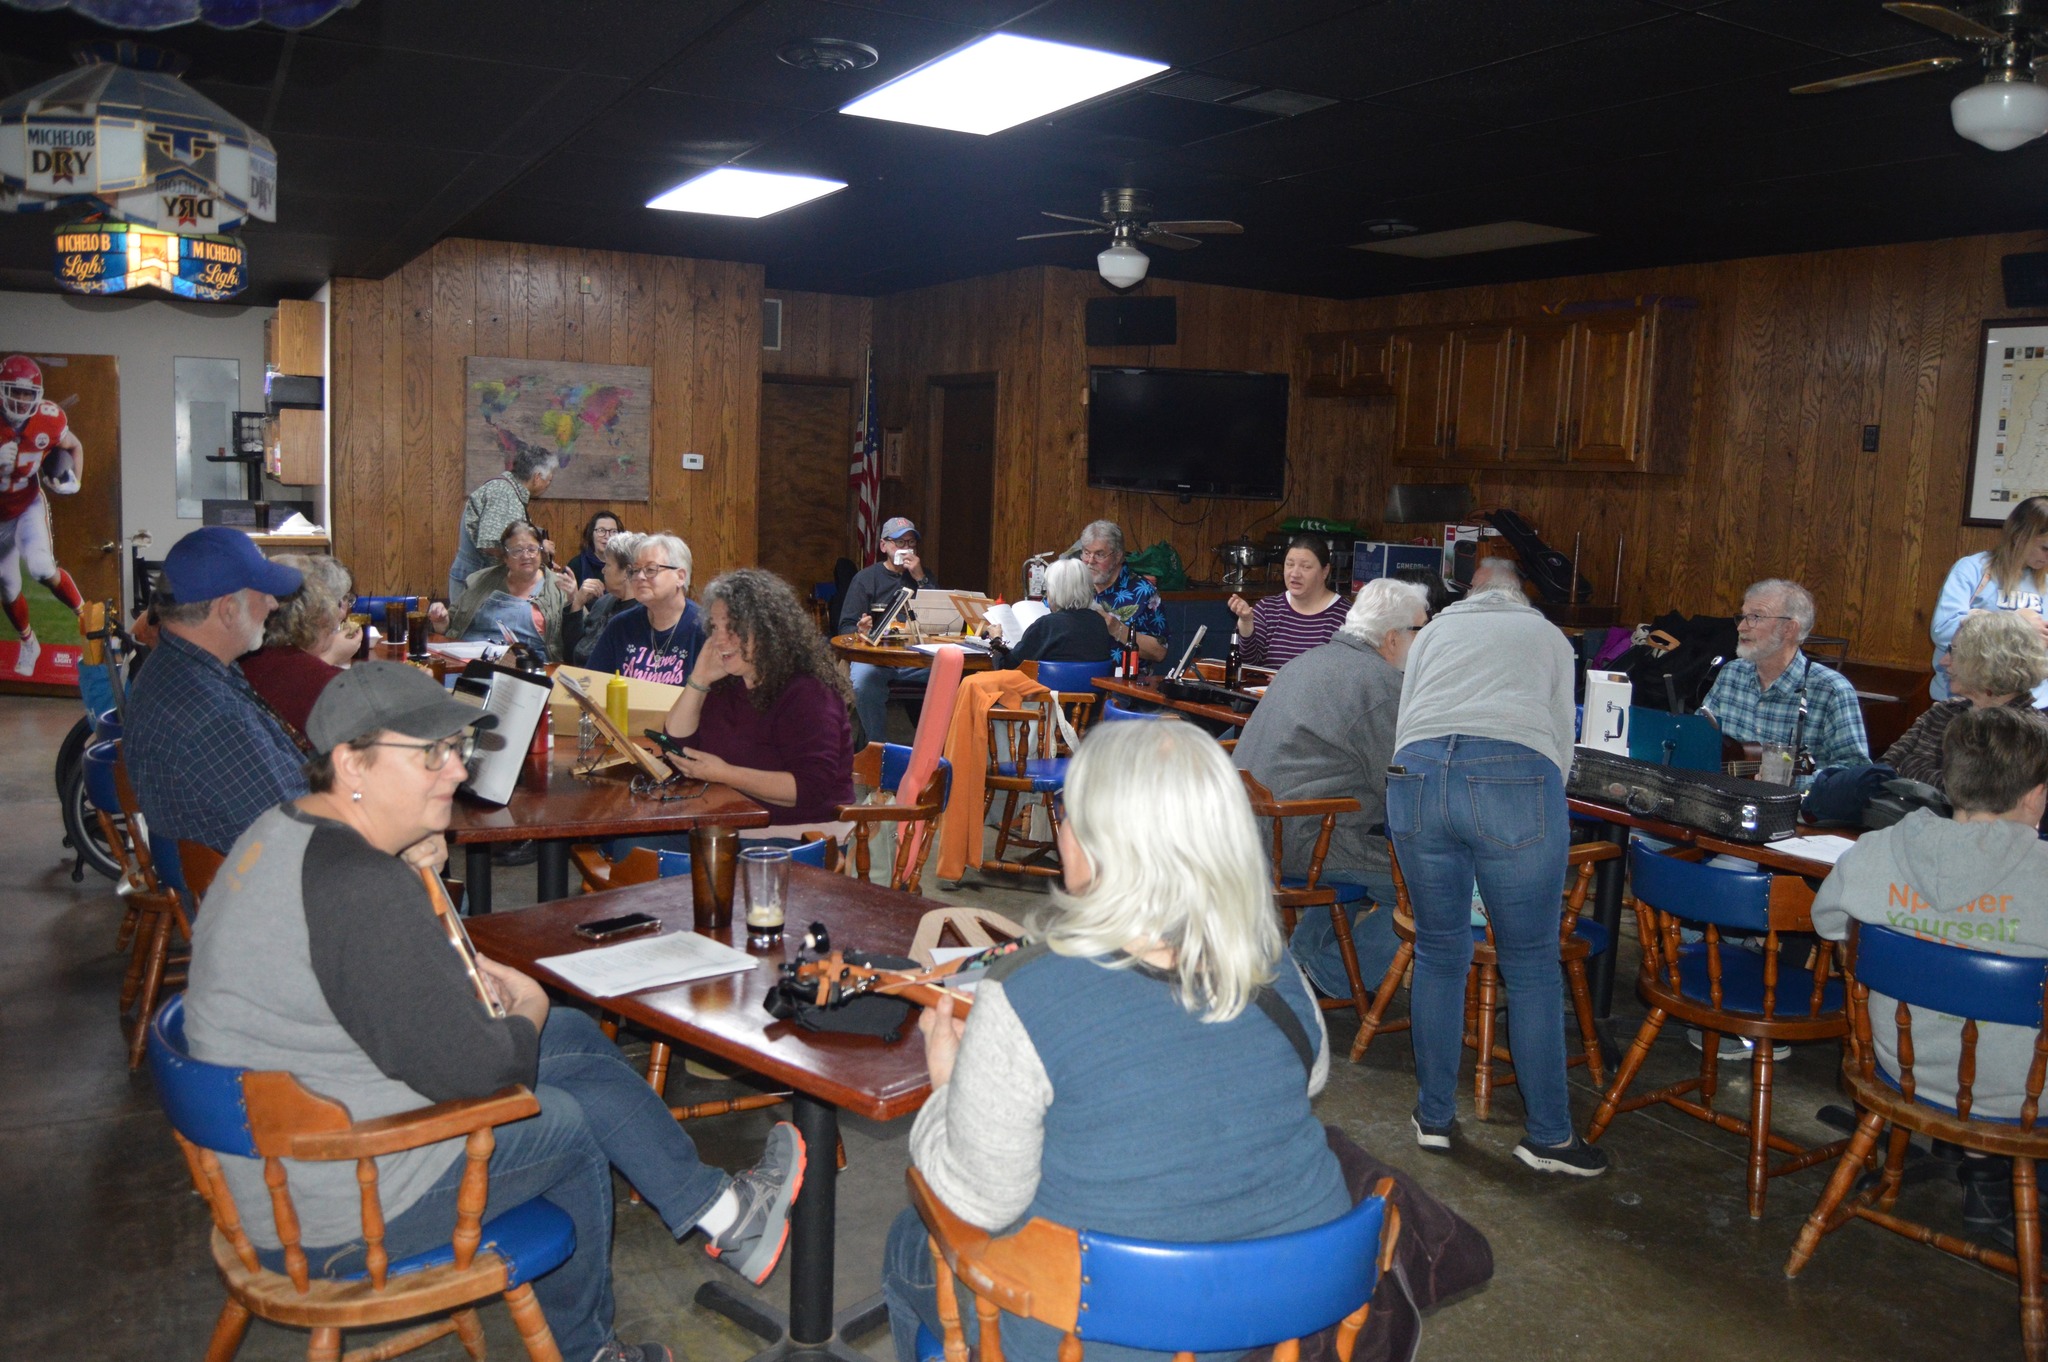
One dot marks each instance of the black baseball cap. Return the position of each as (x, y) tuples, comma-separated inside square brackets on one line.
[(373, 697)]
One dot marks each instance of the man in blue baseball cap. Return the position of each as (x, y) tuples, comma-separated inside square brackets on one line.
[(206, 755)]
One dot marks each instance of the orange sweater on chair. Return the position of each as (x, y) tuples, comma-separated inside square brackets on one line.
[(960, 828)]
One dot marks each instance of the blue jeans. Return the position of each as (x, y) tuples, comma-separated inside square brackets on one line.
[(1314, 943), (871, 695), (1479, 807), (596, 1114)]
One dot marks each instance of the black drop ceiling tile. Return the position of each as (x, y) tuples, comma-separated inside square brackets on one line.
[(1340, 135), (1157, 118), (1184, 32), (983, 14), (1846, 28), (606, 37), (676, 130), (1393, 45), (738, 61)]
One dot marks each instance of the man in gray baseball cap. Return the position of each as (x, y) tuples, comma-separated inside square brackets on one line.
[(900, 566)]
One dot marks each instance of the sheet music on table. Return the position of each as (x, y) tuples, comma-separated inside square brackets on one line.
[(652, 962)]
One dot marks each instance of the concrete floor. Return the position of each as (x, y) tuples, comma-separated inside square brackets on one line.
[(103, 1244)]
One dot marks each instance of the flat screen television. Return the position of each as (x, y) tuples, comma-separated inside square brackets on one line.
[(1193, 432)]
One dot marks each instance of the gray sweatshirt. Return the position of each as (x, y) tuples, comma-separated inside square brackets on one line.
[(1490, 667), (1981, 886)]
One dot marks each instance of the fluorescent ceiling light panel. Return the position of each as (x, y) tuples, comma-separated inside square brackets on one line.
[(734, 193), (1490, 236), (999, 82)]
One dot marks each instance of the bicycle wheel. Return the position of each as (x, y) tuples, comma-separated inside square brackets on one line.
[(82, 830)]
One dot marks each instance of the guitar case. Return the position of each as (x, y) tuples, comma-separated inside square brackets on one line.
[(1705, 801), (1550, 572)]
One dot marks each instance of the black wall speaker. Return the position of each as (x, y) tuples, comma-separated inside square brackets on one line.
[(2026, 280), (1133, 321)]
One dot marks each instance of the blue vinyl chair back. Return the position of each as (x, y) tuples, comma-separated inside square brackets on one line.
[(170, 871), (373, 606), (1112, 712), (1731, 899), (896, 761), (1209, 1297), (100, 788), (675, 863), (203, 1101), (1073, 678), (106, 726), (1951, 979)]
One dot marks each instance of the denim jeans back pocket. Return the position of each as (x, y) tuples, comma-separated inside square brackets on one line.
[(1404, 804), (1508, 811)]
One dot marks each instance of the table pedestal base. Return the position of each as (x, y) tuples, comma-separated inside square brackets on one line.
[(768, 1323)]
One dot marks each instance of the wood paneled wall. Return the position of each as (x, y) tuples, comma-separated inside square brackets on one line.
[(824, 335), (398, 396)]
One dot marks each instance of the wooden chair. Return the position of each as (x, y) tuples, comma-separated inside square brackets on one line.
[(199, 864), (1295, 894), (1579, 940), (595, 874), (215, 1109), (157, 907), (1726, 990), (1937, 978), (1178, 1298), (98, 763), (1037, 766), (911, 785)]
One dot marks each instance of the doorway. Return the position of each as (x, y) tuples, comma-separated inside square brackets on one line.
[(802, 506), (963, 416)]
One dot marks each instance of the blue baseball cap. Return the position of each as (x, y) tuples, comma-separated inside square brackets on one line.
[(219, 561)]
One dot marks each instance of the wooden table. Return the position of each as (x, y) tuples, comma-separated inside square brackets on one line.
[(564, 809), (1147, 688), (862, 1074), (854, 648)]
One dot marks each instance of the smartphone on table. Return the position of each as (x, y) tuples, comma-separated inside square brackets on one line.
[(616, 928)]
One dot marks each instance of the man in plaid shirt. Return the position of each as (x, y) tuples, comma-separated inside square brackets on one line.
[(1756, 696), (206, 755)]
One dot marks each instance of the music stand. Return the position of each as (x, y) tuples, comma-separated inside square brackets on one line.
[(651, 766)]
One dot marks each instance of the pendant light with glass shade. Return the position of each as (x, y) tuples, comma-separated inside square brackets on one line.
[(1121, 264), (2006, 111)]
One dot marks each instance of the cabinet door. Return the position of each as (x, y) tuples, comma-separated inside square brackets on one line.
[(1607, 382), (1326, 353), (1368, 361), (1421, 365), (1539, 392), (1476, 401)]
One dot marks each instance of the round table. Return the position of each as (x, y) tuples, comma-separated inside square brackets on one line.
[(853, 648)]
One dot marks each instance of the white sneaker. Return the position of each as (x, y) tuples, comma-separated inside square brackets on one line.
[(1735, 1047), (25, 659)]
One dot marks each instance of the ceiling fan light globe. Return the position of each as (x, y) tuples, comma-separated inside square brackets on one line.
[(1999, 114), (1122, 265)]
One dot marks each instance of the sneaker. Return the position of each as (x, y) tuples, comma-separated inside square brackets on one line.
[(752, 1244), (1435, 1138), (25, 657), (1734, 1047), (1578, 1159), (615, 1351)]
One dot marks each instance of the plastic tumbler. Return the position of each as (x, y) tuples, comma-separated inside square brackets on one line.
[(714, 854), (765, 872)]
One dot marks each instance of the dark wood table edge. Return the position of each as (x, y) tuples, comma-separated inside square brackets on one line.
[(1147, 688)]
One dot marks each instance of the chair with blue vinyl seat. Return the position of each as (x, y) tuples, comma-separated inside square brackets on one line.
[(1166, 1297), (98, 763), (216, 1109), (1924, 979), (1727, 989), (910, 786), (155, 908), (1296, 894), (1579, 940), (1036, 766), (1113, 712)]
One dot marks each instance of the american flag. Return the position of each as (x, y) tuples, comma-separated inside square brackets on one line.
[(864, 475)]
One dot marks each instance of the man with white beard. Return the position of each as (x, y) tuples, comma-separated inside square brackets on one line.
[(1757, 696), (206, 755)]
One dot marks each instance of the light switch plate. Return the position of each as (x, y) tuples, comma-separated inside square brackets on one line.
[(693, 462)]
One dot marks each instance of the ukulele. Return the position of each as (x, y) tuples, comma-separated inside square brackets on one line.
[(831, 979)]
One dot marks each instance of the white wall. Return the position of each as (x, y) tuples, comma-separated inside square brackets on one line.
[(145, 335)]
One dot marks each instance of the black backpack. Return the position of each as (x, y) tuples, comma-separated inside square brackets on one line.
[(1705, 644)]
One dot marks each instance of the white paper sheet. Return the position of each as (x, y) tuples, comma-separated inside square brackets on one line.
[(654, 962), (972, 645), (1819, 846)]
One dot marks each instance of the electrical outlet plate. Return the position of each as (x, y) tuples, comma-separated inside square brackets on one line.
[(693, 462)]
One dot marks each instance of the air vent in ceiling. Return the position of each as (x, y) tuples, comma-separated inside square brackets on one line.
[(1282, 103), (1490, 236), (1196, 86), (827, 54)]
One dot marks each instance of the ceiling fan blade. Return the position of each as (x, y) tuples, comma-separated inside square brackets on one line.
[(1199, 227), (1944, 20), (1069, 217), (1910, 68), (1173, 241), (1088, 231)]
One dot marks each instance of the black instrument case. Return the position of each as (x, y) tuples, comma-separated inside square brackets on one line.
[(1705, 801)]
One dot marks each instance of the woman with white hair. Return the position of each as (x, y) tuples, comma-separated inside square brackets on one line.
[(1072, 632), (1325, 729), (1995, 659), (658, 637), (1156, 1003)]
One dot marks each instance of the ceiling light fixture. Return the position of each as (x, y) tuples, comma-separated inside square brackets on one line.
[(734, 193), (1122, 265), (2006, 111), (999, 82)]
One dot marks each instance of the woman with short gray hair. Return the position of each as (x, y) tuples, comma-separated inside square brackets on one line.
[(494, 507), (304, 643), (1995, 660), (1072, 632)]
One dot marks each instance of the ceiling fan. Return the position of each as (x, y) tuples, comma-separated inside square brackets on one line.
[(2007, 109), (1126, 215)]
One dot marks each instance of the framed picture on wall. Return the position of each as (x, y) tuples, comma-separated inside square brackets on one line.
[(2009, 437)]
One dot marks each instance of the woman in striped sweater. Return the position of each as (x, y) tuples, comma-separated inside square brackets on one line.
[(1281, 628)]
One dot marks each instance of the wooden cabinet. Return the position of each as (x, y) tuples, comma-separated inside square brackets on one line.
[(1475, 401), (1539, 392), (293, 446), (1421, 362), (1596, 386), (295, 339)]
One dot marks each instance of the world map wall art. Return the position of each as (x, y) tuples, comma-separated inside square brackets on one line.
[(594, 418)]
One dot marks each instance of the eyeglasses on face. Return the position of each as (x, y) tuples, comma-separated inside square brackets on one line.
[(652, 570), (522, 550), (434, 755), (1753, 619), (1098, 555)]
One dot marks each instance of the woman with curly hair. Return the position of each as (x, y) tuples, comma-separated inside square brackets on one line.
[(765, 707)]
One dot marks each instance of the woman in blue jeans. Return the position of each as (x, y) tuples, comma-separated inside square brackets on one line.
[(1476, 795)]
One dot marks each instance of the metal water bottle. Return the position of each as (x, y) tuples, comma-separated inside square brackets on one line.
[(1231, 662)]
